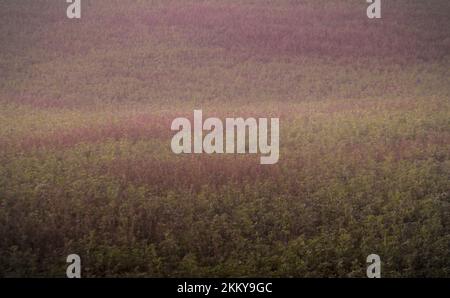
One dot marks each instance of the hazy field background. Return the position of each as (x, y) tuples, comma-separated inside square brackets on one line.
[(85, 159)]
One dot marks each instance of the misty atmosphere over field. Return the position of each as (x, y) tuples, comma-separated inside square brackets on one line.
[(86, 167)]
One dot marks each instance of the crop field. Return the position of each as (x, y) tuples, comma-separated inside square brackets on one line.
[(86, 166)]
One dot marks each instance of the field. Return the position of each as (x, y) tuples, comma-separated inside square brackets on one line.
[(85, 159)]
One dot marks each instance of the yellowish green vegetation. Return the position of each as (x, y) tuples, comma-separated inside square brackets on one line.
[(85, 159)]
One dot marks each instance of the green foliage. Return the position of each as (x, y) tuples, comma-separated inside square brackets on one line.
[(85, 160)]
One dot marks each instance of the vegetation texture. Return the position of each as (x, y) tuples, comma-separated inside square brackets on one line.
[(85, 160)]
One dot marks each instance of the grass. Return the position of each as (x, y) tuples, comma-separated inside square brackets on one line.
[(85, 159)]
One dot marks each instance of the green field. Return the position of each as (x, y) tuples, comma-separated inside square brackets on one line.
[(86, 165)]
